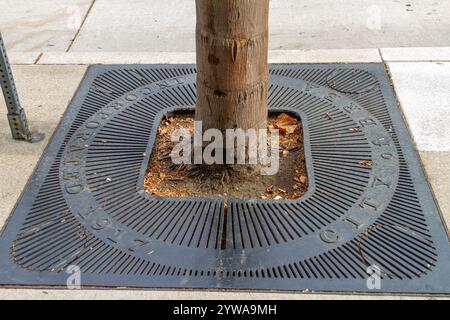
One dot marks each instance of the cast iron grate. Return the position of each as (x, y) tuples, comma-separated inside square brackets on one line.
[(368, 202)]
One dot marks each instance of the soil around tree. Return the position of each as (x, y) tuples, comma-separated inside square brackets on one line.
[(166, 179)]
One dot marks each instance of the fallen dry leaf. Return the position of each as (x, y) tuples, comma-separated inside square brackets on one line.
[(366, 163), (285, 123), (271, 189)]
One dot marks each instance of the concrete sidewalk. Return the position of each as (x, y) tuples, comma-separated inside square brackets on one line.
[(169, 25)]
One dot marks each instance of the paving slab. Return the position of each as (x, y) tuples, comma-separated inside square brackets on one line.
[(275, 56), (423, 92), (122, 294), (416, 54), (19, 57), (138, 25), (115, 57), (45, 92), (437, 168), (325, 56), (44, 25), (169, 25)]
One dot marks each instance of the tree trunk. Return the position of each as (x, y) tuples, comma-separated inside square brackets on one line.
[(232, 54)]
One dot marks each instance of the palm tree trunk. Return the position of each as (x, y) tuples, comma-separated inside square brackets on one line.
[(232, 54)]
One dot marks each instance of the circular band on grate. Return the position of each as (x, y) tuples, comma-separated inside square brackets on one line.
[(113, 170)]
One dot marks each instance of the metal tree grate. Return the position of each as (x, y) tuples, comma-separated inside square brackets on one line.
[(368, 202)]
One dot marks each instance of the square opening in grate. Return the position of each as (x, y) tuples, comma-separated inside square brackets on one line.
[(165, 178)]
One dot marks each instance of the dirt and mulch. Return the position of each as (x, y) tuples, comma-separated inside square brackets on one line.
[(166, 179)]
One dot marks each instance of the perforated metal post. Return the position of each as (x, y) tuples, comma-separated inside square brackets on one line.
[(16, 114)]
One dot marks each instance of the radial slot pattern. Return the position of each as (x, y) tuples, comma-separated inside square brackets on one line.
[(86, 205)]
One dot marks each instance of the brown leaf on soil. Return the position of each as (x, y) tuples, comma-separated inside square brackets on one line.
[(303, 179), (285, 123), (271, 189)]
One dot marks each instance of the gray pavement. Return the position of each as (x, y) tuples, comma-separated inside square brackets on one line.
[(122, 294), (169, 25), (44, 25)]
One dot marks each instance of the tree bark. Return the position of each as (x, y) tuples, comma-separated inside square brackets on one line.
[(232, 54)]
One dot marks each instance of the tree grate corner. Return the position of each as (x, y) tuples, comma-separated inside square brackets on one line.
[(368, 210)]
